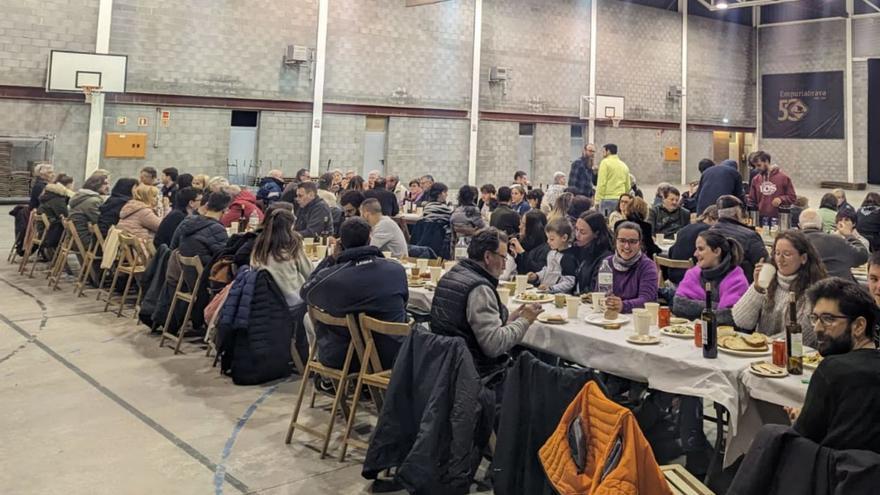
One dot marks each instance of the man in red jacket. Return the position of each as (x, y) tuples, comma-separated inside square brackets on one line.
[(771, 188)]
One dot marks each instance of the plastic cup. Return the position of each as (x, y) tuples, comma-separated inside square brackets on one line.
[(654, 310), (321, 252), (386, 254), (436, 271), (504, 295), (559, 300), (234, 226), (642, 321), (308, 241), (422, 264), (522, 281), (572, 303), (768, 271), (598, 300)]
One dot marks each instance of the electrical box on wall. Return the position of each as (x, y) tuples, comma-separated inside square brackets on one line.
[(498, 74), (671, 154), (125, 145), (296, 54)]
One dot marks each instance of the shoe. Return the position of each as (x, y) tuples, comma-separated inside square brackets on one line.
[(324, 385)]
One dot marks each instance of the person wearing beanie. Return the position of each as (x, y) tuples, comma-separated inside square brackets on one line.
[(731, 218)]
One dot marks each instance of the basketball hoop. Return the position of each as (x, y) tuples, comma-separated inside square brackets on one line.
[(88, 91), (615, 122)]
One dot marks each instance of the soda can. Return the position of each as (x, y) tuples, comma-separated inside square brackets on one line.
[(779, 352), (663, 316), (698, 334)]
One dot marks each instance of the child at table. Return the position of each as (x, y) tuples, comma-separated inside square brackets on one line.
[(558, 276)]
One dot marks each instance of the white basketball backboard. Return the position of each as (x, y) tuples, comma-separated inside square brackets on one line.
[(71, 71), (609, 107)]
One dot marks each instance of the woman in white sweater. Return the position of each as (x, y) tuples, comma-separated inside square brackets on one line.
[(797, 268)]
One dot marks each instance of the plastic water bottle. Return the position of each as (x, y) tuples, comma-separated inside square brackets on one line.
[(605, 280), (461, 248), (253, 221)]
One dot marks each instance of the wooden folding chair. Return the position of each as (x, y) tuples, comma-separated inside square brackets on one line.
[(180, 294), (669, 263), (372, 374), (72, 244), (313, 366), (92, 254), (117, 258), (132, 263), (39, 228)]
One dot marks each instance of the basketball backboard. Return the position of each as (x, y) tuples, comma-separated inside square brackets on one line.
[(609, 107), (72, 71)]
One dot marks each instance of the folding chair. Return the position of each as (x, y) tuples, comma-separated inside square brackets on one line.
[(74, 245), (372, 373), (669, 263), (38, 229), (182, 295), (113, 256), (132, 263), (61, 250), (341, 377), (90, 256)]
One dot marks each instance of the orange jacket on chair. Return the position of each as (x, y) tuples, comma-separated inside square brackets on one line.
[(615, 457)]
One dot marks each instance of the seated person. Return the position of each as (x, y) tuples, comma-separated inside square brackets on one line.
[(313, 218), (467, 305), (731, 223), (686, 241), (593, 243), (530, 248), (667, 218), (386, 234), (637, 212), (244, 205), (466, 218), (620, 213), (138, 217), (246, 240), (186, 202), (558, 275), (386, 198), (348, 285), (844, 391), (635, 274), (279, 251), (840, 252), (203, 235), (718, 260), (797, 268), (503, 217), (518, 201)]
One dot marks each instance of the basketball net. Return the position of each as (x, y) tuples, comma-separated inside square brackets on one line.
[(615, 122), (89, 91)]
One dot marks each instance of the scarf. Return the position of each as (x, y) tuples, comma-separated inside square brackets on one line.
[(623, 265), (716, 274)]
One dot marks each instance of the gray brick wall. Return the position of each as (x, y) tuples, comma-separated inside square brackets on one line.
[(700, 146), (642, 151), (342, 140), (69, 122), (806, 48), (640, 71), (196, 140), (721, 72), (428, 146), (546, 44), (552, 149), (860, 120), (219, 49), (496, 152), (284, 141), (375, 47), (866, 37), (29, 29)]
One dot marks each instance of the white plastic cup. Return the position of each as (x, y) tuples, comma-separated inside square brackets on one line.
[(571, 304), (504, 295), (234, 226), (642, 321), (654, 310), (320, 252), (436, 271), (522, 281), (598, 300), (422, 263), (308, 241), (768, 271), (386, 254)]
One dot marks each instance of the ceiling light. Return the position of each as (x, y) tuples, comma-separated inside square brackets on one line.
[(721, 5), (725, 120)]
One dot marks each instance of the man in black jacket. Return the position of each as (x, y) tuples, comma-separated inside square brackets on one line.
[(203, 235), (840, 252), (186, 201), (719, 180), (386, 198), (503, 217), (669, 217), (314, 217), (730, 218), (358, 280)]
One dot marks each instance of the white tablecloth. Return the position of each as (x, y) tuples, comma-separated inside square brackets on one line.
[(789, 391), (420, 299)]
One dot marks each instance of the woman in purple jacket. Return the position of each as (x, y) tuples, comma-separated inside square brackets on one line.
[(718, 260), (635, 275)]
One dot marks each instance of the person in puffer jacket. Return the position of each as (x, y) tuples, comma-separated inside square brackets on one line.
[(138, 216), (53, 203), (85, 206), (271, 188), (203, 235), (243, 205), (109, 210)]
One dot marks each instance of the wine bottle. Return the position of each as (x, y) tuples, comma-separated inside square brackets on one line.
[(794, 339), (710, 328)]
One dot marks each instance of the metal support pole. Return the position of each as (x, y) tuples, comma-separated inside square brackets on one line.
[(96, 111), (848, 92), (759, 115), (475, 92), (318, 99), (594, 22), (683, 9)]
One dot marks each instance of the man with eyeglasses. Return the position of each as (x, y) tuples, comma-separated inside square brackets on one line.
[(466, 304), (844, 391)]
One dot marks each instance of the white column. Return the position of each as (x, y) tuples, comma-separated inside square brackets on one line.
[(475, 92), (848, 92), (318, 99), (683, 8), (759, 115), (594, 22), (96, 115)]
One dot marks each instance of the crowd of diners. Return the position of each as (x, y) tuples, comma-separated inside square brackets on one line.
[(558, 236)]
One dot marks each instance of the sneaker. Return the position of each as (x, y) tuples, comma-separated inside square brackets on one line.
[(325, 385)]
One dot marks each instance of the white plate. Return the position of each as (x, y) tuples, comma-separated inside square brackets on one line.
[(810, 366), (643, 339), (733, 352), (546, 298), (599, 319), (756, 371), (678, 335), (543, 319)]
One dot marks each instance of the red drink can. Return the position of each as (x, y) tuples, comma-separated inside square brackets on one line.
[(663, 316), (698, 334), (779, 353)]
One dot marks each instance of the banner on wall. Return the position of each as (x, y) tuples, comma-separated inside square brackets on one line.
[(808, 105)]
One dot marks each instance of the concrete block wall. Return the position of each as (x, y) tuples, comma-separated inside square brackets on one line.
[(342, 141), (284, 141), (207, 48), (860, 120), (375, 47), (806, 48), (546, 45), (496, 152), (642, 151), (29, 29), (552, 149), (68, 122), (196, 140), (438, 147)]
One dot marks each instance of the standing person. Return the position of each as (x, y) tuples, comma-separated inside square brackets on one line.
[(466, 218), (109, 211), (668, 218), (522, 179), (138, 216), (244, 204), (840, 252), (731, 223), (635, 275), (581, 177), (554, 191), (187, 201), (314, 217), (386, 234), (593, 243), (44, 173), (771, 188), (558, 274), (719, 180), (842, 204), (169, 184), (504, 218), (518, 201), (614, 180), (85, 206), (386, 198), (530, 248), (148, 176), (271, 187), (487, 202)]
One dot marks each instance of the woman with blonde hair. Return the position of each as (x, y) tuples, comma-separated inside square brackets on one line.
[(561, 206), (279, 250), (138, 216), (200, 182), (217, 184)]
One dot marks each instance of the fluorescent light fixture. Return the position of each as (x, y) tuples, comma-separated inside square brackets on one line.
[(721, 5), (725, 120)]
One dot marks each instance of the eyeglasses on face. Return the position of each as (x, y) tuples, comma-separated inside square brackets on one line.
[(631, 242), (826, 319)]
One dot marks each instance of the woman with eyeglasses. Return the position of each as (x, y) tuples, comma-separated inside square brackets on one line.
[(635, 275), (797, 268), (718, 259)]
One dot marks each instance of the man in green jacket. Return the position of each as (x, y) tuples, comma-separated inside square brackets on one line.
[(613, 180)]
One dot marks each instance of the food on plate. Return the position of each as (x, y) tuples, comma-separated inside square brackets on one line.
[(768, 369), (812, 359), (748, 343), (555, 318), (611, 314), (679, 329), (725, 330), (756, 339), (532, 296)]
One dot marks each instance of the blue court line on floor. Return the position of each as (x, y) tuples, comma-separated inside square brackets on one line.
[(177, 441), (220, 472)]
